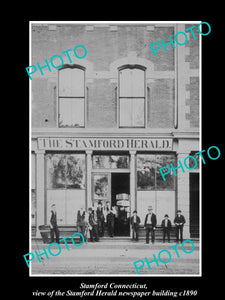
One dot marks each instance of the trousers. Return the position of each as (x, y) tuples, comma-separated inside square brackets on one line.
[(149, 229), (179, 231), (55, 231)]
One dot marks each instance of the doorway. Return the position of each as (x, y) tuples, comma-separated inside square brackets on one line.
[(194, 205), (120, 192)]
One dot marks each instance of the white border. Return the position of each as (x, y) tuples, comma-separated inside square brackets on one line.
[(200, 147)]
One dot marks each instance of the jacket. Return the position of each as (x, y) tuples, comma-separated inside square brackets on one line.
[(93, 218), (53, 219), (138, 221), (153, 220), (168, 224), (100, 215), (179, 220)]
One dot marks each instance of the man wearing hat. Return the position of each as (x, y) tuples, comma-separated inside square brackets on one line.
[(179, 224), (166, 226), (93, 228), (135, 221), (150, 224), (100, 219)]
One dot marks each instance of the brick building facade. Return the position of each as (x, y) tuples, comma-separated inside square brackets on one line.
[(130, 114)]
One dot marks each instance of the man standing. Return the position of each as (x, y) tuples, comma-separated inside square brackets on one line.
[(81, 221), (166, 226), (93, 225), (110, 218), (53, 225), (179, 224), (135, 221), (150, 224), (101, 219)]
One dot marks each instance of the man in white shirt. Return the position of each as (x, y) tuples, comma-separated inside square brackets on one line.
[(150, 225)]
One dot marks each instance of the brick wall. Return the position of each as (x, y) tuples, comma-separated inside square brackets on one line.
[(104, 45), (193, 102), (161, 103), (101, 103)]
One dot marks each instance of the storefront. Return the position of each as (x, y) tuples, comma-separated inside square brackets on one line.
[(80, 172)]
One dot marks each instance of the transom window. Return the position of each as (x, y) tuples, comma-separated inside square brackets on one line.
[(132, 97), (71, 97)]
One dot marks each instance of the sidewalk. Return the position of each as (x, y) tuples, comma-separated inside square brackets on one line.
[(114, 257)]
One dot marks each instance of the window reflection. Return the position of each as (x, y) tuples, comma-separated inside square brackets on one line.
[(148, 174), (65, 171), (162, 161), (191, 162), (145, 172), (110, 161)]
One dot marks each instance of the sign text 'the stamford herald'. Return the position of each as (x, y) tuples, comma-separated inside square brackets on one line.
[(104, 144)]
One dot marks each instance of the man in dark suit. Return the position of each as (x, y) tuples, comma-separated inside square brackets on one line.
[(166, 226), (93, 222), (100, 219), (53, 225), (150, 224), (179, 224), (135, 221)]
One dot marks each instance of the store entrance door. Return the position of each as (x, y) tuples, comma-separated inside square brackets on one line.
[(120, 199)]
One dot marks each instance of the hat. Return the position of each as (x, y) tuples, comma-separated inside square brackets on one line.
[(166, 216)]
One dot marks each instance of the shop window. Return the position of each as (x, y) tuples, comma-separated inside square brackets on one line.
[(110, 161), (65, 171), (146, 172), (65, 185), (148, 175), (162, 161), (71, 97), (192, 162), (132, 97)]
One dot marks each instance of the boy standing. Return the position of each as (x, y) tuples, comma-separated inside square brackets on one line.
[(166, 226), (135, 221), (53, 225)]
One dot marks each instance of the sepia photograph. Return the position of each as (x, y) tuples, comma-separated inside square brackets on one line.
[(115, 148)]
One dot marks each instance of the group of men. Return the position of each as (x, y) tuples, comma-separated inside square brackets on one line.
[(150, 225), (92, 224)]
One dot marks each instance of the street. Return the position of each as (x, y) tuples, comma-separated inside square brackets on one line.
[(115, 257)]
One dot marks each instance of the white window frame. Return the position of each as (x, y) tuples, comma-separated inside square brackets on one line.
[(74, 66), (132, 66)]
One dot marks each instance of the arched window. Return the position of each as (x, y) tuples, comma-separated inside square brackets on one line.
[(71, 97), (132, 96)]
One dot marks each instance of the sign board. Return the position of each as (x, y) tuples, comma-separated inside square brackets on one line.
[(114, 144)]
